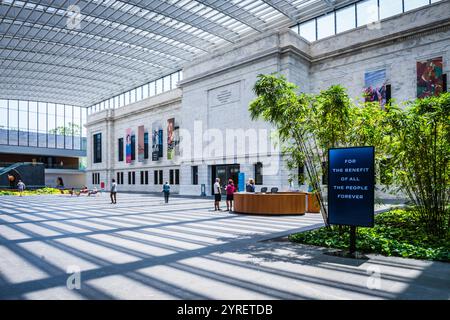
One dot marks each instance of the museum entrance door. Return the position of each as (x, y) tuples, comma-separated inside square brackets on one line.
[(224, 172)]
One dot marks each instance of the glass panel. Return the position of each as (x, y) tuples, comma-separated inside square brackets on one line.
[(83, 129), (127, 98), (174, 80), (308, 30), (139, 94), (166, 83), (295, 29), (32, 124), (60, 130), (389, 8), (132, 96), (159, 84), (3, 121), (122, 99), (77, 128), (413, 4), (116, 102), (51, 125), (68, 127), (345, 19), (152, 88), (145, 91), (13, 122), (325, 26), (42, 125), (180, 75), (367, 12), (23, 123)]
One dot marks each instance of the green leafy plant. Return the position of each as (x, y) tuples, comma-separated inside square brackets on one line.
[(396, 233)]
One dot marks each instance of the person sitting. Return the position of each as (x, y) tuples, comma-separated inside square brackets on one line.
[(250, 187), (93, 191), (83, 190)]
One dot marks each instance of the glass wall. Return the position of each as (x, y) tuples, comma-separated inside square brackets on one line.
[(42, 124), (358, 14), (158, 86)]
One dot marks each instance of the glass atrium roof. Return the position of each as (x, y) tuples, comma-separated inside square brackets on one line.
[(82, 52)]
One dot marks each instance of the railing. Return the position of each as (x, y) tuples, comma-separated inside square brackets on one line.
[(4, 165)]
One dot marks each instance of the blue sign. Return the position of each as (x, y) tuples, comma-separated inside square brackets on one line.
[(351, 186), (241, 182)]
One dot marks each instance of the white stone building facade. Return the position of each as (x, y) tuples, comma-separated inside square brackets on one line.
[(211, 103)]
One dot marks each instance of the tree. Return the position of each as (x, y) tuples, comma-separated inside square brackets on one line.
[(415, 140), (420, 151), (72, 129)]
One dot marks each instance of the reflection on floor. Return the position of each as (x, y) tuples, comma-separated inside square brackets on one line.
[(142, 248)]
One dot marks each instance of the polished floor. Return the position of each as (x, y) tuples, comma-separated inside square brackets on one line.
[(62, 247)]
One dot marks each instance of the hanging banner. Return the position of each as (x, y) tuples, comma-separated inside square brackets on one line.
[(128, 145), (156, 142), (375, 86), (141, 147), (170, 138), (351, 186), (430, 81)]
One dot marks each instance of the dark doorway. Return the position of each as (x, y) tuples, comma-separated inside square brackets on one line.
[(224, 172)]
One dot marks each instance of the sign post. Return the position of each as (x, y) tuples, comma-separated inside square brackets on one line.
[(351, 188)]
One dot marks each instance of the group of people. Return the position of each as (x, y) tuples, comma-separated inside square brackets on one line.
[(230, 189)]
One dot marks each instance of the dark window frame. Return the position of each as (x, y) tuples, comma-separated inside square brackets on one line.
[(258, 173)]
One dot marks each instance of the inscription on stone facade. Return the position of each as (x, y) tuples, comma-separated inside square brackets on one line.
[(224, 95)]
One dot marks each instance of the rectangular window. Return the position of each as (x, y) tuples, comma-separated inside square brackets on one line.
[(177, 176), (3, 121), (258, 173), (367, 12), (133, 176), (308, 30), (389, 8), (133, 147), (166, 83), (95, 178), (120, 146), (171, 176), (325, 26), (121, 178), (146, 177), (129, 177), (159, 86), (413, 4), (195, 175), (155, 177), (161, 177), (118, 177), (97, 148), (345, 19), (301, 174), (142, 177), (13, 122)]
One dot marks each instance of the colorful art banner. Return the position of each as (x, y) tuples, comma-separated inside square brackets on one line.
[(141, 147), (375, 86), (156, 142), (170, 138), (128, 145), (430, 81)]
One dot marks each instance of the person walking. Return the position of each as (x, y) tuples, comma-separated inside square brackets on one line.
[(166, 191), (217, 195), (113, 193), (230, 189), (21, 187)]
